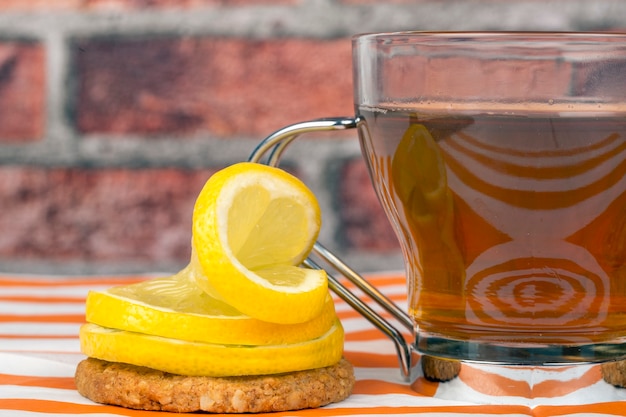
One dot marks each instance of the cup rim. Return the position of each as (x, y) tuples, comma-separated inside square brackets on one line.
[(524, 36)]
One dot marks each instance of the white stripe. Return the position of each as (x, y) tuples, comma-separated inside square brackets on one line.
[(26, 308), (52, 291), (456, 390), (521, 222), (379, 347), (535, 158), (43, 393), (43, 329), (40, 345), (398, 400), (355, 401), (343, 307), (358, 324), (511, 182), (26, 365), (388, 290), (392, 375)]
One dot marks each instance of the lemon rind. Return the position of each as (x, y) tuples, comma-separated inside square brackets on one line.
[(231, 278), (114, 311), (205, 359)]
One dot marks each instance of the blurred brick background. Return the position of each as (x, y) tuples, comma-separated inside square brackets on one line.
[(113, 113)]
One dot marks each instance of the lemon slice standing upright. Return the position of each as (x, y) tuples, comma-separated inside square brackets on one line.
[(253, 225)]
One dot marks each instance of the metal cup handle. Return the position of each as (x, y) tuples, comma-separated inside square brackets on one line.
[(269, 151)]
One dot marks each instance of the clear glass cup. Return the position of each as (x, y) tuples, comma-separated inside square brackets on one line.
[(500, 160)]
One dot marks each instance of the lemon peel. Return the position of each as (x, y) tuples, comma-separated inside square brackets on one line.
[(252, 226), (205, 359), (175, 307)]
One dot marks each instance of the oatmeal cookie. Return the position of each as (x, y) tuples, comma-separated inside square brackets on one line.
[(148, 389)]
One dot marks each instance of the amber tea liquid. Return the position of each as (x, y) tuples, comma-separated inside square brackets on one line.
[(513, 228)]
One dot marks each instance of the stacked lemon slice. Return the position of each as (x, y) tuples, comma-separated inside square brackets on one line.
[(243, 305)]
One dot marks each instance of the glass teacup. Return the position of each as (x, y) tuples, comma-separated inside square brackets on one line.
[(500, 160)]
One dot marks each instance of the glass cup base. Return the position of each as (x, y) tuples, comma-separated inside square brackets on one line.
[(520, 352), (523, 375), (524, 385)]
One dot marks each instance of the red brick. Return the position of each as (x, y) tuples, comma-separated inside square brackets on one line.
[(363, 221), (22, 91), (30, 5), (185, 4), (458, 76), (77, 214), (107, 5), (367, 2), (225, 86)]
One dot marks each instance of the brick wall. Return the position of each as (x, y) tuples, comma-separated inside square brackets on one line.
[(114, 112)]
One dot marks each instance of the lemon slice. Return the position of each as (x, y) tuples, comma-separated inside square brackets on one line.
[(419, 173), (420, 182), (175, 307), (205, 359), (252, 226)]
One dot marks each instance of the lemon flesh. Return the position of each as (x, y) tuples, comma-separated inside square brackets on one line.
[(206, 359), (175, 307), (252, 227)]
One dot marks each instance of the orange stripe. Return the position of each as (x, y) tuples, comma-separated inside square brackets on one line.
[(561, 388), (53, 318), (404, 410), (43, 406), (79, 282), (44, 299), (380, 281), (547, 172), (614, 408), (36, 381), (37, 336), (481, 410), (371, 303), (372, 360), (425, 387), (497, 385), (377, 278), (354, 314), (362, 335), (526, 152), (493, 384), (533, 199), (58, 407), (555, 369), (348, 314), (375, 387)]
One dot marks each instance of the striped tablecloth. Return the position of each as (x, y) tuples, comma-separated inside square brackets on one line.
[(39, 350)]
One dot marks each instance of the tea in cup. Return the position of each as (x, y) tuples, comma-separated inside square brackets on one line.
[(500, 161)]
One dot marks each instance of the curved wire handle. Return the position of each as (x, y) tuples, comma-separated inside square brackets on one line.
[(275, 145)]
